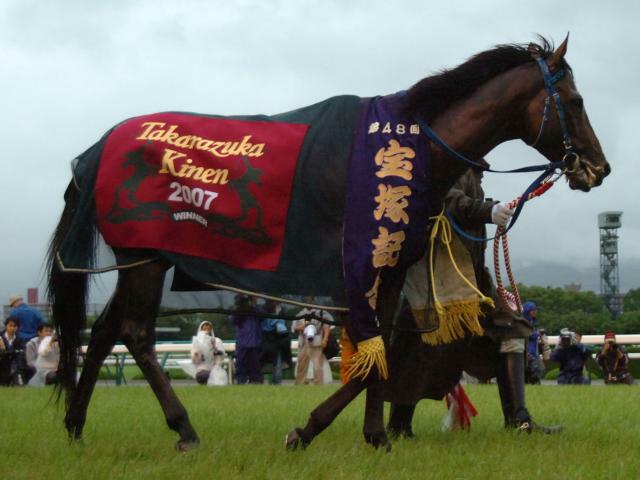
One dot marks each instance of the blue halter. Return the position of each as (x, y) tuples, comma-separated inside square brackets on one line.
[(547, 169)]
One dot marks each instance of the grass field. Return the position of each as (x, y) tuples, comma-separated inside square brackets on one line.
[(242, 430)]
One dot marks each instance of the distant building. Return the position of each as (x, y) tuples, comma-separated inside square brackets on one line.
[(609, 223)]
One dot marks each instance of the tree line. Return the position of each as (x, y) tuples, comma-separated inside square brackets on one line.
[(584, 312), (558, 308)]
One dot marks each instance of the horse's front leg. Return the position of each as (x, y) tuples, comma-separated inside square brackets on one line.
[(324, 414), (373, 430)]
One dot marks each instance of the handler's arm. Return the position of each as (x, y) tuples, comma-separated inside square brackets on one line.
[(468, 211)]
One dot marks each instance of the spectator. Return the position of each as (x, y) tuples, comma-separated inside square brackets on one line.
[(535, 367), (46, 362), (29, 318), (276, 342), (313, 336), (543, 345), (572, 356), (614, 361), (248, 340), (31, 350), (12, 347), (207, 355)]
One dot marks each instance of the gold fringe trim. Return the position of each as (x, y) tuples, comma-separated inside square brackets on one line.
[(371, 352), (456, 320)]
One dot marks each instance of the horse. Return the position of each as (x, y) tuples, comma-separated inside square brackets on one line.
[(496, 96)]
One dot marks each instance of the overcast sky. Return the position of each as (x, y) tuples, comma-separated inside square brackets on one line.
[(72, 69)]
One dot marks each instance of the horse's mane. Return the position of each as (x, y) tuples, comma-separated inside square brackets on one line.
[(432, 95)]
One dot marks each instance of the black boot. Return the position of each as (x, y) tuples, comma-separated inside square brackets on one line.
[(503, 390), (516, 415), (400, 420), (511, 387)]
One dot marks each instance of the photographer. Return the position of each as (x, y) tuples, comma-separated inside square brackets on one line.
[(313, 336), (572, 356), (12, 359), (614, 361)]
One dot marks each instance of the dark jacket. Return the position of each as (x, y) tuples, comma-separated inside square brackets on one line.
[(571, 360), (465, 202)]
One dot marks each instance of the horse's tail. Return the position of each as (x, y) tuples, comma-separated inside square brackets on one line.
[(67, 292)]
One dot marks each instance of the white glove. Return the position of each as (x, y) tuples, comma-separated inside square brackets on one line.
[(500, 214)]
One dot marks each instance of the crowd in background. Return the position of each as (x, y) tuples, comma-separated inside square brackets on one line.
[(29, 352), (572, 355), (263, 344)]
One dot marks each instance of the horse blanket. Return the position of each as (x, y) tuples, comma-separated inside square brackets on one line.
[(317, 201)]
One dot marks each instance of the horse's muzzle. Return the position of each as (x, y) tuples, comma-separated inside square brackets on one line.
[(582, 174)]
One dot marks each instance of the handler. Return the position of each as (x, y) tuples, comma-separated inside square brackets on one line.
[(505, 331)]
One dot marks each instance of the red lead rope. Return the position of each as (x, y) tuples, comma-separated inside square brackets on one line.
[(511, 299)]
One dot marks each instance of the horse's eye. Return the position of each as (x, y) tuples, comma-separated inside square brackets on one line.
[(577, 102)]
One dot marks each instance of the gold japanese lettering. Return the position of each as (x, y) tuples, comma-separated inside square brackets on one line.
[(392, 202), (372, 295), (393, 161), (387, 248)]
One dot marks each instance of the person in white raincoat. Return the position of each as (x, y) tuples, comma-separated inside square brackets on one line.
[(46, 362), (207, 355)]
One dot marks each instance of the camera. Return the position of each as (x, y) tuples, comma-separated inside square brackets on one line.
[(310, 332), (567, 338)]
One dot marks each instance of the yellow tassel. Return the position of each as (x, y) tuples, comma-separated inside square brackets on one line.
[(370, 352), (456, 320)]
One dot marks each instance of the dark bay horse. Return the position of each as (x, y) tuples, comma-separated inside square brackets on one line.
[(496, 96)]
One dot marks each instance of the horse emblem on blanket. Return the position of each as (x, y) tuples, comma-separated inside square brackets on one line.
[(159, 210)]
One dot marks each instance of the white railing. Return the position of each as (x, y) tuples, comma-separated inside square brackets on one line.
[(622, 339)]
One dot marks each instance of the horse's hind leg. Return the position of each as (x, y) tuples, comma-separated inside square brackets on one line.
[(103, 336), (144, 292), (324, 414), (400, 420)]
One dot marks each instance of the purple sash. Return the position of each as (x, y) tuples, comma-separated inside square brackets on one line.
[(386, 212)]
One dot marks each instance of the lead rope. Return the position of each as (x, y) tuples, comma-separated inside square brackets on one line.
[(512, 298)]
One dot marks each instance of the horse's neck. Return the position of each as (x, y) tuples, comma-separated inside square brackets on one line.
[(475, 126)]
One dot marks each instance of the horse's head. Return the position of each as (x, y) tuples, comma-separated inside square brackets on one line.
[(558, 126)]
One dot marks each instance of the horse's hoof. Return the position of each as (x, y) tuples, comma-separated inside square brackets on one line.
[(76, 440), (184, 446), (378, 440), (294, 440), (400, 432)]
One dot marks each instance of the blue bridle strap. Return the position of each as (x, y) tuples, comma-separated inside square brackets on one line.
[(550, 86), (433, 136)]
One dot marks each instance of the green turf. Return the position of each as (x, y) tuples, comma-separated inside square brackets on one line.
[(242, 430)]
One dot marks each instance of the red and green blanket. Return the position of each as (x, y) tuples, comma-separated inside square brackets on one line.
[(324, 201), (250, 202)]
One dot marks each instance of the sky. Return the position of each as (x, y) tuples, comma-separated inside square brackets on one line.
[(71, 70)]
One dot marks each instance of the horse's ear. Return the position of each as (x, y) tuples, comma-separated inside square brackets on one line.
[(556, 58)]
